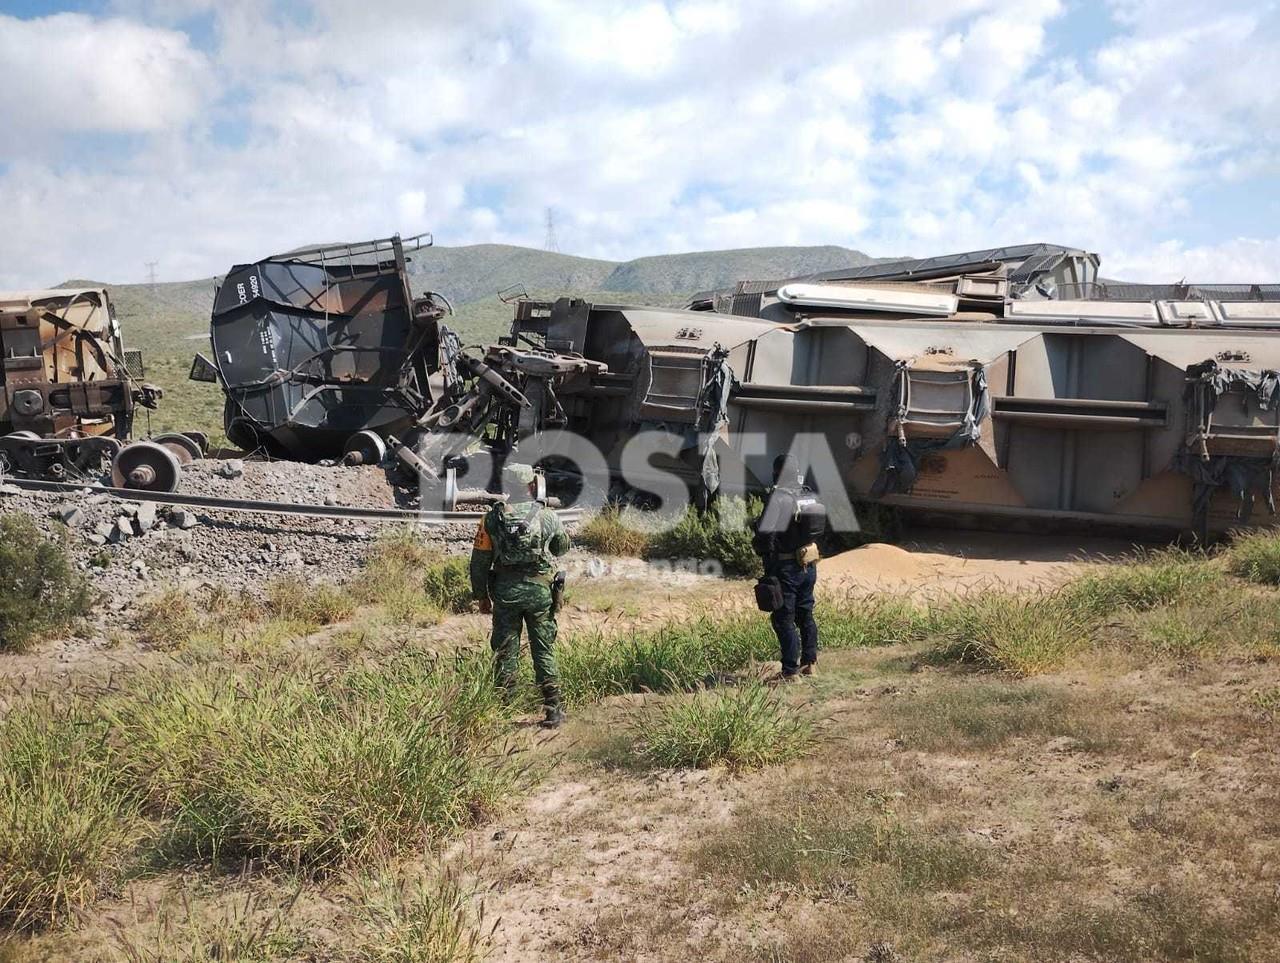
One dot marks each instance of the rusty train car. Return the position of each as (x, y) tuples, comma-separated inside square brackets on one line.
[(70, 392)]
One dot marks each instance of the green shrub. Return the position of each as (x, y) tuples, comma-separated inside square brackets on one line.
[(424, 921), (745, 727), (722, 533), (446, 583), (412, 582), (41, 593), (1256, 557), (67, 824), (606, 533), (1143, 582)]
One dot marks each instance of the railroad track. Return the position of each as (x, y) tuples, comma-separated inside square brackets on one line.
[(263, 508)]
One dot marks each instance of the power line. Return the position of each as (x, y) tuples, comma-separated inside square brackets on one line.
[(551, 244), (151, 273)]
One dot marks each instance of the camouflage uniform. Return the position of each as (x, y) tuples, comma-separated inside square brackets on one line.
[(521, 594)]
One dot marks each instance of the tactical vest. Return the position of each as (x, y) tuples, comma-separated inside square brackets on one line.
[(808, 522)]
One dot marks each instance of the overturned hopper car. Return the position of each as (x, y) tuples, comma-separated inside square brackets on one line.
[(1010, 384), (316, 345)]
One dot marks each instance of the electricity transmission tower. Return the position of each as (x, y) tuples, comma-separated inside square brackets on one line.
[(151, 273), (551, 244)]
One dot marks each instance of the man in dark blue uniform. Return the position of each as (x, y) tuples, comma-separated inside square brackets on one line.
[(786, 540)]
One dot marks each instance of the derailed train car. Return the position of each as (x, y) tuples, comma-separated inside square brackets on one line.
[(316, 345), (1010, 384), (69, 394)]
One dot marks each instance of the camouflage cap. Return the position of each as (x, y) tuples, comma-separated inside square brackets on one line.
[(518, 473)]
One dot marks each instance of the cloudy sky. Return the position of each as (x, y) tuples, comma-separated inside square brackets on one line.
[(196, 134)]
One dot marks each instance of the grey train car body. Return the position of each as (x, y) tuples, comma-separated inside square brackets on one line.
[(1009, 385)]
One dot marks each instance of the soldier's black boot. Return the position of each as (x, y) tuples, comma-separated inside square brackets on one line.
[(553, 715)]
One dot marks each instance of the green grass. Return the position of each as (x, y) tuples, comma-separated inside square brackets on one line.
[(673, 658), (1018, 634), (1144, 581), (1266, 702), (745, 727), (312, 772), (68, 822), (299, 770), (1255, 557), (41, 592), (187, 405)]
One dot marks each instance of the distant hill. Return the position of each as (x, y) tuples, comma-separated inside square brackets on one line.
[(169, 318), (690, 273)]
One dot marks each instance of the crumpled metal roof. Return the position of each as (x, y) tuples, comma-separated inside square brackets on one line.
[(1024, 262)]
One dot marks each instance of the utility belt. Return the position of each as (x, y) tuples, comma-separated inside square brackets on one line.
[(518, 575), (803, 556), (555, 581)]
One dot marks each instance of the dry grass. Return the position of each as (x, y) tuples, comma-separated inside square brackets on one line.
[(832, 840), (606, 533), (179, 618), (244, 931), (1118, 811), (982, 715), (413, 584), (424, 920)]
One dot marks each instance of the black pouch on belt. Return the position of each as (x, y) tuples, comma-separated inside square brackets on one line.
[(769, 594)]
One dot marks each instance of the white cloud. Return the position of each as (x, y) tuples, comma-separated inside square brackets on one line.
[(72, 73), (1239, 260), (650, 127)]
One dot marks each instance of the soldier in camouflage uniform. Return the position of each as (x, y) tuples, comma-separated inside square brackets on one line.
[(512, 575)]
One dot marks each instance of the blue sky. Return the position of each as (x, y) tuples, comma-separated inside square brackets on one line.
[(196, 134)]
